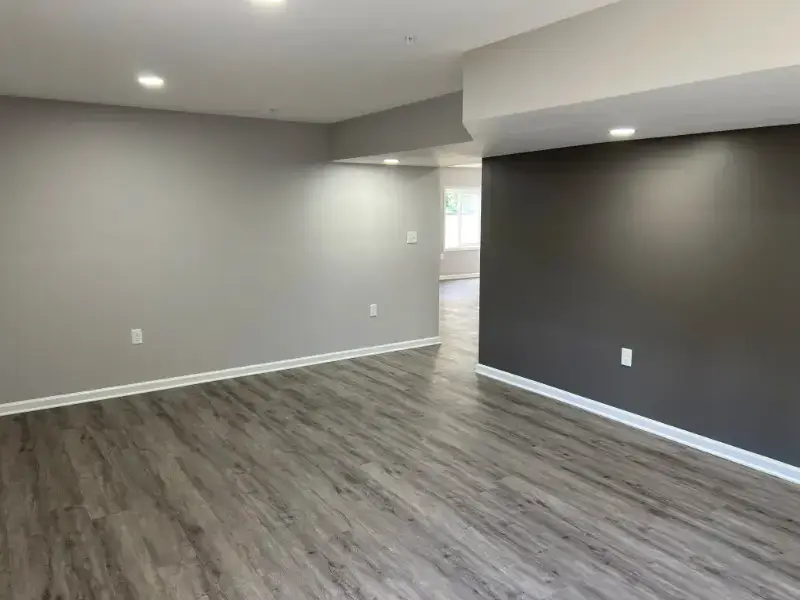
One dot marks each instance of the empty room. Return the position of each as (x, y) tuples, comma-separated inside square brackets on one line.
[(327, 299)]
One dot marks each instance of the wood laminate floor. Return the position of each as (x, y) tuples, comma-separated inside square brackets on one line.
[(399, 476)]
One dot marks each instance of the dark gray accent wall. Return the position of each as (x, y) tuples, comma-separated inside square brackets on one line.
[(685, 249)]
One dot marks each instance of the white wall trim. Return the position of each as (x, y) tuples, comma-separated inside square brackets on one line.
[(23, 406), (462, 276), (693, 440)]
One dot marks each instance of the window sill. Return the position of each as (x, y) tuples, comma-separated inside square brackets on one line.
[(463, 249)]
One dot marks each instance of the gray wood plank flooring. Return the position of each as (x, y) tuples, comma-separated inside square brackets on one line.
[(398, 476)]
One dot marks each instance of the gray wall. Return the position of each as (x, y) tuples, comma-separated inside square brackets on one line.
[(458, 262), (426, 124), (227, 240), (684, 249)]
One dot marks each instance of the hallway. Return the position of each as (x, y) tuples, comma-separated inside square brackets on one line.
[(458, 316)]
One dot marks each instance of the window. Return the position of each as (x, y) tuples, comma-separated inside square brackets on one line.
[(462, 218)]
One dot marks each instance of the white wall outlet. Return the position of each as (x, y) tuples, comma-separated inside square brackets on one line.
[(627, 357), (136, 336), (373, 310), (411, 237)]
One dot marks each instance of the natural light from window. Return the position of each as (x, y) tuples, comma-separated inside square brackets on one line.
[(462, 218)]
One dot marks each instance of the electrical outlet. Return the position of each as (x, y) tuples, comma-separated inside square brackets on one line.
[(627, 357), (373, 310), (411, 237), (136, 336)]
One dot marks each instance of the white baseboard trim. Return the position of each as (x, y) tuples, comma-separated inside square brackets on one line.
[(23, 406), (464, 276), (687, 438)]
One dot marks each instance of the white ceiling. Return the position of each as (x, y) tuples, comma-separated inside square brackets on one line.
[(312, 60), (440, 156)]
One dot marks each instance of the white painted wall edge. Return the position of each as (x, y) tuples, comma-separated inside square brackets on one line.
[(687, 438), (461, 276), (23, 406)]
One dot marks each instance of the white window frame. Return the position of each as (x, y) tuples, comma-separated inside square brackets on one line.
[(461, 247)]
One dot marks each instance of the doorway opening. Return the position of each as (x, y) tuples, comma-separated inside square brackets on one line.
[(459, 275)]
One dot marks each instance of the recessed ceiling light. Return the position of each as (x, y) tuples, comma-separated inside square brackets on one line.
[(150, 81), (391, 161), (622, 132), (468, 166)]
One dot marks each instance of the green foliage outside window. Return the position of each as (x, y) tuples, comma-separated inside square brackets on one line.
[(450, 203)]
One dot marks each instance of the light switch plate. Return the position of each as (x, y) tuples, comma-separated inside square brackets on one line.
[(136, 336), (373, 310), (627, 357), (411, 237)]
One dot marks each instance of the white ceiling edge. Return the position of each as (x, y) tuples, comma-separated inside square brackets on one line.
[(440, 156), (759, 99), (626, 48)]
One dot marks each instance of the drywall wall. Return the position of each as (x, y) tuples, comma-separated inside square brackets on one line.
[(683, 249), (665, 68), (458, 262), (229, 241), (628, 47), (426, 124)]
